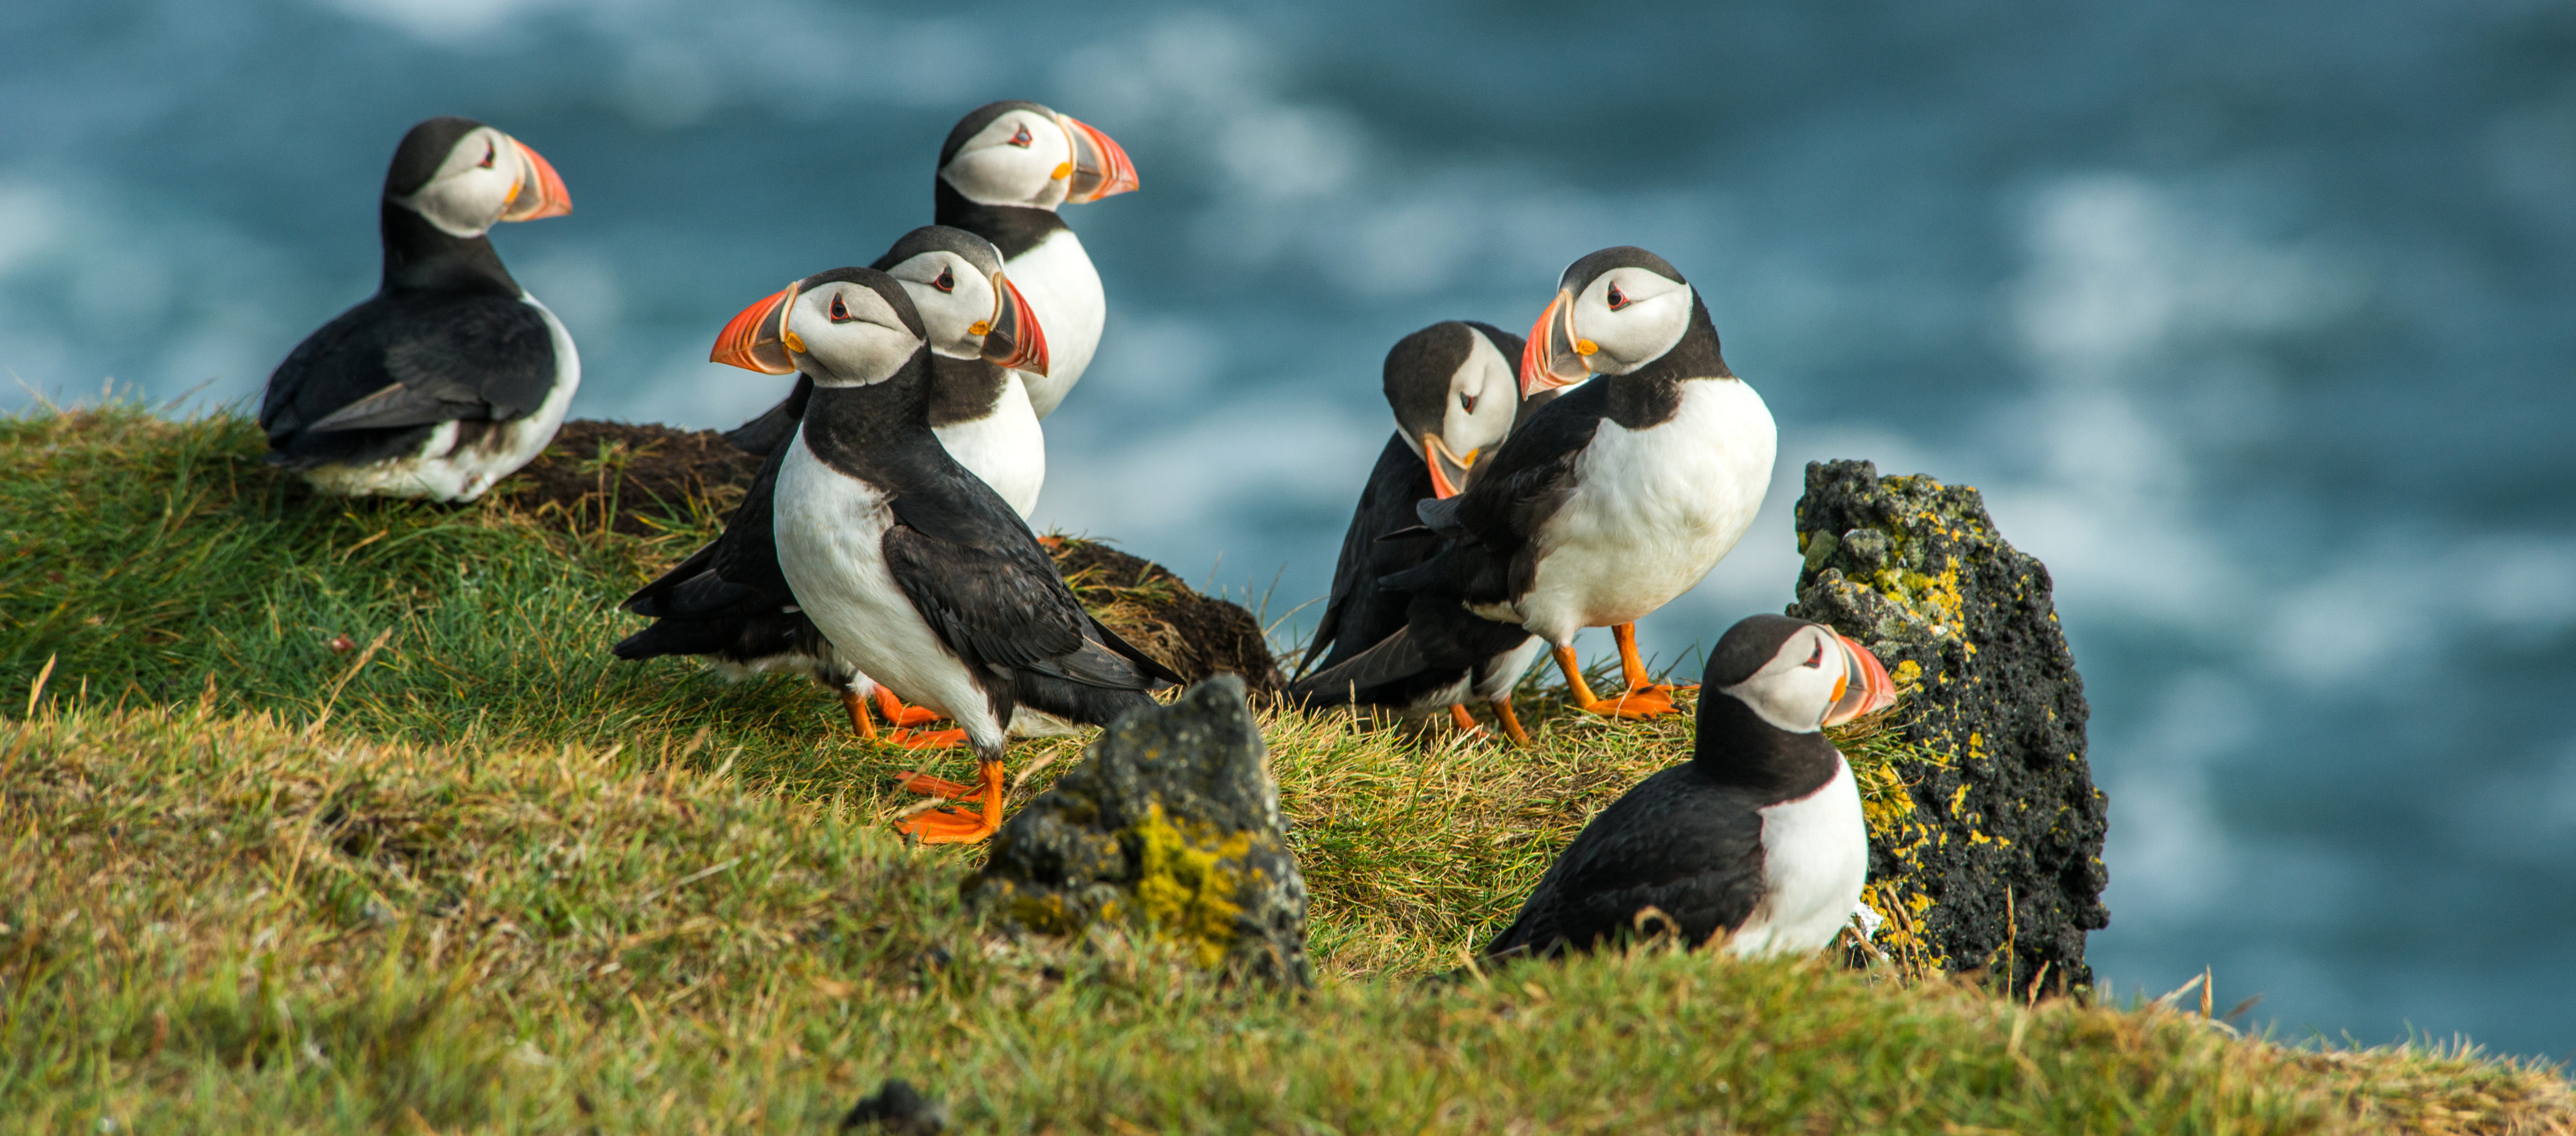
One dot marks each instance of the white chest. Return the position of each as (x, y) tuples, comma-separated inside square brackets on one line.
[(830, 534), (1652, 511), (1006, 448), (1815, 857), (1064, 289)]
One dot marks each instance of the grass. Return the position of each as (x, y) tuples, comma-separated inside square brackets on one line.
[(336, 816)]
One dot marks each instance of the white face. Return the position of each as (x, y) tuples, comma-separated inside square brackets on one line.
[(956, 299), (1801, 683), (474, 186), (1020, 158), (1484, 394), (1631, 316), (846, 335)]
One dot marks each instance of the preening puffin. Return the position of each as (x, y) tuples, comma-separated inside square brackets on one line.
[(912, 567), (1004, 170), (1622, 493), (452, 376), (730, 603), (1455, 394), (1759, 836)]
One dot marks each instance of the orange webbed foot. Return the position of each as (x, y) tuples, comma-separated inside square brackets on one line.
[(947, 826), (911, 781), (915, 739)]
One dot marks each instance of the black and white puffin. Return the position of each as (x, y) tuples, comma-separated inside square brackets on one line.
[(1454, 390), (452, 376), (730, 603), (1622, 493), (911, 567), (1759, 836), (1003, 172)]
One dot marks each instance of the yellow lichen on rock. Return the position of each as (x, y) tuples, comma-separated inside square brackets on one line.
[(1187, 883)]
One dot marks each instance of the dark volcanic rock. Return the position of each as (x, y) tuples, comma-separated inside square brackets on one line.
[(1916, 572), (1171, 827), (900, 1109), (1198, 636)]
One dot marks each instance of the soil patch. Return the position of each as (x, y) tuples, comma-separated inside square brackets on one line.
[(630, 475)]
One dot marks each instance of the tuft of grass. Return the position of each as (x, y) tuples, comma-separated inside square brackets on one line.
[(337, 816)]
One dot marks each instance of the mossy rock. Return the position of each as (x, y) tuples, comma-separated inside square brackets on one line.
[(1997, 864), (1170, 828)]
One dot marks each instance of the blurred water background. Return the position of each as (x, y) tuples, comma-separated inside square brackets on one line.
[(2256, 321)]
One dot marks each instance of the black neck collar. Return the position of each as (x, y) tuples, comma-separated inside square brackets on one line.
[(420, 256), (1014, 229), (1737, 747), (876, 433)]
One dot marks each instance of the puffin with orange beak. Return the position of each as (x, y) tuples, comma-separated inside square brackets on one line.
[(1004, 171), (914, 570), (1758, 838), (1621, 494), (729, 602), (1455, 393), (452, 376)]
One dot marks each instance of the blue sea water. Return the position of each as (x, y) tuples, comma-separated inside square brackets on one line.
[(2255, 321)]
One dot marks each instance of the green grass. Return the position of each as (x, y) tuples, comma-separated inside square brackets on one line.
[(484, 878)]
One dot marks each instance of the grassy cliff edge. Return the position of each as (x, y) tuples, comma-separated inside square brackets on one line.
[(336, 816)]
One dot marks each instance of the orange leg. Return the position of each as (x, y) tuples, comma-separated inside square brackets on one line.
[(898, 714), (1632, 668), (858, 709), (957, 826), (1627, 705), (1511, 721), (1466, 722)]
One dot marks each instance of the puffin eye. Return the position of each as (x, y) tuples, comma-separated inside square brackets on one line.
[(490, 152), (947, 281), (1618, 299), (841, 314), (1467, 402), (1816, 658), (1022, 139)]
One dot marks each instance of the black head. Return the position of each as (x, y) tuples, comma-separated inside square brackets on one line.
[(845, 327), (928, 239), (1621, 311), (1794, 674), (1021, 154), (463, 177), (1452, 389)]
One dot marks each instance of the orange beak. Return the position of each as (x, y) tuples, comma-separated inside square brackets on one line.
[(1015, 339), (540, 191), (1100, 168), (1448, 470), (757, 340), (1865, 687), (1553, 356)]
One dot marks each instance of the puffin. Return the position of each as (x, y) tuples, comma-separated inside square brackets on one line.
[(912, 567), (451, 376), (1758, 837), (1003, 172), (730, 604), (1454, 390), (1619, 495)]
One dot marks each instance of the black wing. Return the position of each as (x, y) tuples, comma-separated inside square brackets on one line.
[(769, 433), (1679, 842), (729, 599), (1439, 644), (374, 378), (1494, 525), (1360, 614), (979, 577)]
